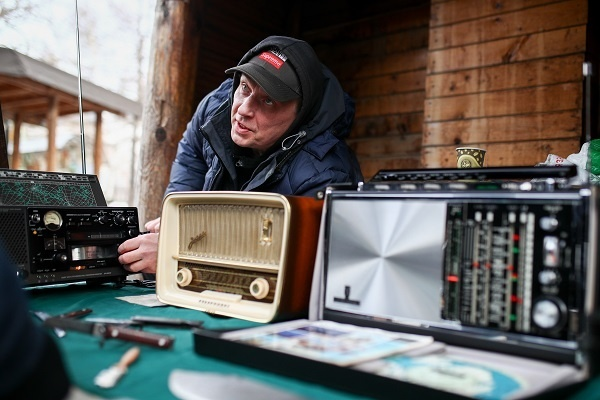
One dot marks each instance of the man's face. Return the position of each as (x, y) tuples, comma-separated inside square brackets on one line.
[(257, 121)]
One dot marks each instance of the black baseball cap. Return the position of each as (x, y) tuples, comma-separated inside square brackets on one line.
[(271, 70)]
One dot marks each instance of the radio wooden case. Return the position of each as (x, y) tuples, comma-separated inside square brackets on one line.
[(247, 255)]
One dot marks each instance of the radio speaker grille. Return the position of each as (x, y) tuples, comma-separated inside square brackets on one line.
[(236, 233), (13, 234)]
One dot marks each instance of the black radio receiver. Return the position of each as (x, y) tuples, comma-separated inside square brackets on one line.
[(50, 244)]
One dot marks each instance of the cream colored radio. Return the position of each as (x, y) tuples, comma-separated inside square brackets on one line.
[(247, 255)]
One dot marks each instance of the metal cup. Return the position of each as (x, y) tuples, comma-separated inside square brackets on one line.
[(469, 157)]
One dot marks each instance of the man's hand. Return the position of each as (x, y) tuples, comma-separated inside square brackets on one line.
[(153, 226), (139, 254)]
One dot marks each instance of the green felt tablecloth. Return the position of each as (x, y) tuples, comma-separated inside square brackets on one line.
[(147, 378)]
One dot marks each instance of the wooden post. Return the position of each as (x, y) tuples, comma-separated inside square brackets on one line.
[(98, 144), (16, 154), (168, 106), (3, 144), (51, 119)]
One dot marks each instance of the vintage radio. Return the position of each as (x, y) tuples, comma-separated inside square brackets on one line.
[(488, 263), (54, 244), (502, 276), (239, 254)]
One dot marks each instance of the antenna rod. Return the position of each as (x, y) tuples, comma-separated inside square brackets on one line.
[(80, 92)]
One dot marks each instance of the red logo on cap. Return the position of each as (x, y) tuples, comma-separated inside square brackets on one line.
[(272, 59)]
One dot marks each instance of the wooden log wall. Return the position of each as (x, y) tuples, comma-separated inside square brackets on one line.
[(505, 76), (381, 62), (427, 76)]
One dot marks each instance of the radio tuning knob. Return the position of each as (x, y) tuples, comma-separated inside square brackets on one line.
[(548, 314), (61, 258), (548, 277), (22, 274), (549, 224), (184, 277), (119, 219), (259, 288)]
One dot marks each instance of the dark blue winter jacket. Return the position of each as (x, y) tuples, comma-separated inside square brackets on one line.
[(309, 158)]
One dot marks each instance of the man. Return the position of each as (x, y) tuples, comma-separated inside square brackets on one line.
[(277, 126)]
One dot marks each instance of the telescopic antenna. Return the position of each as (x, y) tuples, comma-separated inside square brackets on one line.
[(80, 91)]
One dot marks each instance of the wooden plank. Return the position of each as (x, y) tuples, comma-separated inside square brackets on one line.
[(512, 129), (453, 11), (396, 83), (378, 46), (392, 104), (396, 124), (561, 97), (527, 47), (376, 66), (538, 72), (520, 22), (387, 146), (403, 19), (527, 153), (370, 166)]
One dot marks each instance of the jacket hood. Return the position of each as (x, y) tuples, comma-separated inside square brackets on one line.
[(322, 100)]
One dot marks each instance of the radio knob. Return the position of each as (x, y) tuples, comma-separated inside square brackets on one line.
[(102, 219), (184, 277), (131, 220), (61, 258), (22, 274), (548, 314), (549, 224), (548, 277), (119, 219), (259, 288)]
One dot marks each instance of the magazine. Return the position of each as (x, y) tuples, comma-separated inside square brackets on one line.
[(331, 342), (474, 374)]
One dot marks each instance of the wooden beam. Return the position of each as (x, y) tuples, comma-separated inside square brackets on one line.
[(51, 118), (170, 103), (16, 134), (3, 143), (98, 144)]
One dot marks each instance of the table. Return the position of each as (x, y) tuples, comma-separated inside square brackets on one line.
[(148, 377)]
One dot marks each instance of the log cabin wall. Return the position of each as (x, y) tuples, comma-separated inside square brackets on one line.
[(381, 62), (427, 75), (505, 76), (502, 75)]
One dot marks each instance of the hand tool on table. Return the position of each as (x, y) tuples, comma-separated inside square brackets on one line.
[(108, 331), (42, 316), (108, 378)]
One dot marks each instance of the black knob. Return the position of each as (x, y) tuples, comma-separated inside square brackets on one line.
[(22, 274), (61, 258), (119, 219)]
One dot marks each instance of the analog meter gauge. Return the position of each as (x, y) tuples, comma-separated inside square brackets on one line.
[(53, 220)]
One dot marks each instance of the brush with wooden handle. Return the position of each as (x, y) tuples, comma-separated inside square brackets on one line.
[(109, 377)]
